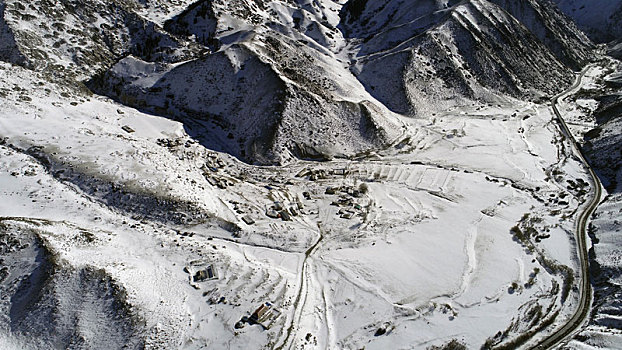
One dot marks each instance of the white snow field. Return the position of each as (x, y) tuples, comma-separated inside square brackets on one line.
[(411, 246), (288, 174)]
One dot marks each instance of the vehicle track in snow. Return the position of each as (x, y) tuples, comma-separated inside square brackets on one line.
[(303, 289)]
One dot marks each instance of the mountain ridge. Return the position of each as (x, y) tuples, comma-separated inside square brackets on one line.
[(322, 53)]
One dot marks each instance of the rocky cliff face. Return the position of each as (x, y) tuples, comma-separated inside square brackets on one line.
[(271, 80)]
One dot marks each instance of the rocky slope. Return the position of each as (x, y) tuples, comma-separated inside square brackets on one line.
[(604, 150), (471, 50), (75, 39), (597, 121), (57, 306), (601, 20)]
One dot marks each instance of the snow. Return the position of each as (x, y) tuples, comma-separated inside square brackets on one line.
[(602, 330), (453, 220), (433, 252), (146, 74)]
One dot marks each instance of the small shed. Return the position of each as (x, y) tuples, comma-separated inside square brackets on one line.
[(278, 206), (264, 315), (285, 215), (208, 273), (248, 220), (200, 271), (272, 213)]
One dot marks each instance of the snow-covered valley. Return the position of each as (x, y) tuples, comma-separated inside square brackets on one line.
[(289, 174)]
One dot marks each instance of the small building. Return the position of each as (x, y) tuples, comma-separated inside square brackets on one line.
[(331, 190), (248, 220), (264, 315), (210, 180), (344, 201), (347, 215), (208, 273), (127, 129), (285, 215), (272, 213), (293, 211), (303, 172), (261, 313)]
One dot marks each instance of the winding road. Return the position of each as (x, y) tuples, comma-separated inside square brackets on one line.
[(585, 289)]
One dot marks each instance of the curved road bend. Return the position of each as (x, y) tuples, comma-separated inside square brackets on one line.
[(585, 288)]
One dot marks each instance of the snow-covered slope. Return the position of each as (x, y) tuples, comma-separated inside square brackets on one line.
[(430, 56), (56, 306), (558, 33), (78, 38), (334, 73), (600, 19), (136, 204), (458, 235), (604, 149), (269, 102)]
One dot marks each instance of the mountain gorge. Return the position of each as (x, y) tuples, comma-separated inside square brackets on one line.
[(280, 174)]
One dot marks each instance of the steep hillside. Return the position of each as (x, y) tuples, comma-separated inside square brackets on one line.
[(270, 80), (604, 140), (601, 20), (57, 306), (595, 116), (472, 50), (604, 150), (268, 95), (75, 39), (264, 103), (558, 33)]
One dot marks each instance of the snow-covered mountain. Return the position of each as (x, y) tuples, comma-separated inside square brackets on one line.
[(268, 81), (419, 192), (431, 54)]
